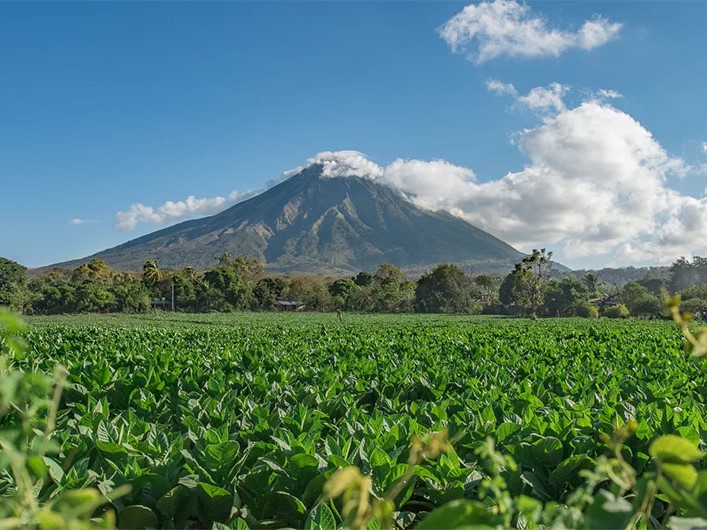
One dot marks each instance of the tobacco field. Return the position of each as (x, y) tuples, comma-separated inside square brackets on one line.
[(240, 420)]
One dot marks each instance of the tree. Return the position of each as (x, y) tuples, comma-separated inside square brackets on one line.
[(185, 283), (684, 273), (267, 291), (242, 265), (92, 296), (131, 296), (151, 275), (487, 286), (593, 283), (13, 285), (391, 292), (364, 279), (446, 289), (564, 298), (341, 291), (524, 288), (640, 302), (310, 290), (225, 290)]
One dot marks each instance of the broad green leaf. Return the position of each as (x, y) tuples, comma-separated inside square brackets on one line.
[(457, 515), (674, 449), (608, 511), (216, 502), (55, 470), (320, 518), (137, 517), (111, 448), (684, 474), (548, 451), (286, 507), (167, 504)]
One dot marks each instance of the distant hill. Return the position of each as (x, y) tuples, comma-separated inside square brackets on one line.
[(313, 223), (620, 276)]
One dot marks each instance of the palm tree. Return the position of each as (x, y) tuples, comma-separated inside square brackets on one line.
[(151, 274)]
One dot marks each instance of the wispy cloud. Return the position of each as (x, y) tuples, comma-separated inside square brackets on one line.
[(549, 98), (605, 93), (501, 88), (489, 30), (704, 147), (79, 221)]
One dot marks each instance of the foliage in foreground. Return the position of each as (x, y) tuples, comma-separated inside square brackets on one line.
[(213, 426)]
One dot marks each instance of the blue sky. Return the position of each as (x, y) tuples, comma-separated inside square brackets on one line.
[(493, 111)]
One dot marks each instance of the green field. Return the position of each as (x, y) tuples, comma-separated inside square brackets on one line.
[(226, 417)]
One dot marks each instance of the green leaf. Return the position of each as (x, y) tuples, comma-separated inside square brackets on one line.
[(459, 514), (303, 461), (36, 464), (320, 518), (674, 449), (167, 504), (55, 470), (548, 451), (240, 524), (77, 503), (137, 517), (111, 448), (216, 502), (286, 507), (608, 511), (529, 507), (223, 454), (684, 474)]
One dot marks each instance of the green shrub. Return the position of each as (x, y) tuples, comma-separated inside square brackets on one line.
[(585, 310), (616, 311)]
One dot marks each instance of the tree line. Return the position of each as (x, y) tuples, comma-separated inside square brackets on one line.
[(241, 284)]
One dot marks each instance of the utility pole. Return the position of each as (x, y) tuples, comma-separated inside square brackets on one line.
[(173, 295)]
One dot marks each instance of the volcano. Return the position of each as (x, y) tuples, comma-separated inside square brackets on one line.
[(316, 223)]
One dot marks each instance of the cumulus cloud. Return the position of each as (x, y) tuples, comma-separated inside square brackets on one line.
[(704, 147), (173, 210), (492, 29), (431, 184), (595, 184)]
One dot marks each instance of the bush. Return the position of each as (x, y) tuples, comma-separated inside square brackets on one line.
[(585, 310), (616, 311)]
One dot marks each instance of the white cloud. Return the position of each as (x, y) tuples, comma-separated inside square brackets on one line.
[(346, 164), (173, 210), (542, 99), (704, 147), (545, 98), (79, 221), (489, 30), (501, 88), (432, 184), (595, 184), (605, 93)]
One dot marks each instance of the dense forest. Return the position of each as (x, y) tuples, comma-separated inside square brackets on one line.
[(241, 284)]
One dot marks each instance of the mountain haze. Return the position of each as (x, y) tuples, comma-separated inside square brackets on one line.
[(315, 223)]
